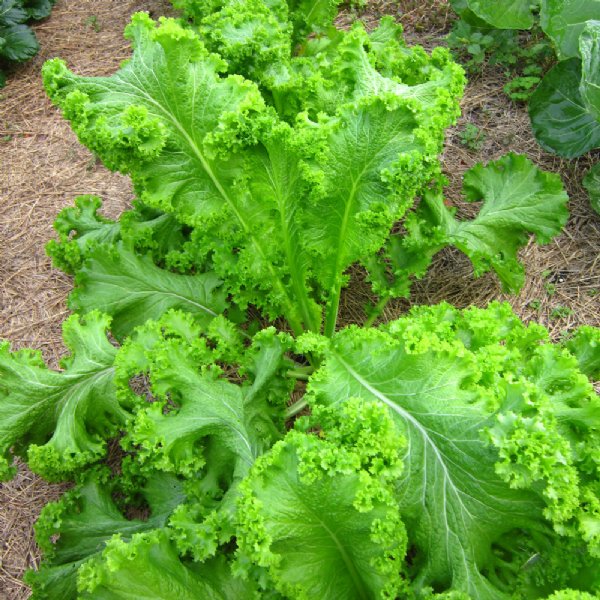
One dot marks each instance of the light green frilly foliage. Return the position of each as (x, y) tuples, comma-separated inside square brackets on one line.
[(277, 210), (60, 420), (585, 346), (317, 513), (461, 437), (446, 455), (63, 530), (500, 433), (277, 194), (149, 567), (518, 199), (257, 37)]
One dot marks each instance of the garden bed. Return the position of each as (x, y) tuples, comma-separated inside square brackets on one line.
[(43, 167)]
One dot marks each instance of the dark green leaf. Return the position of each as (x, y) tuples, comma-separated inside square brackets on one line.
[(20, 43), (559, 117), (38, 9), (11, 13), (507, 14), (564, 20), (591, 182), (589, 45)]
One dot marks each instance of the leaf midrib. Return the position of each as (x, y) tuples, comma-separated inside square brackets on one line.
[(150, 291), (356, 579), (205, 165), (407, 416)]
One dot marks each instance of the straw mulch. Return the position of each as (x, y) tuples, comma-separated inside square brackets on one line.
[(43, 167)]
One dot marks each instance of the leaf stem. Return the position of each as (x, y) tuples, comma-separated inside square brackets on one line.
[(377, 310), (302, 373), (295, 408), (332, 309)]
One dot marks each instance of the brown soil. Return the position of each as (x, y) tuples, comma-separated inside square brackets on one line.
[(43, 167)]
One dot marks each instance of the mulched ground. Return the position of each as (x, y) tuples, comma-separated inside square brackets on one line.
[(43, 167)]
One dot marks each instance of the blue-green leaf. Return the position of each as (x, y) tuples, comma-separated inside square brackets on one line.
[(559, 116), (564, 20)]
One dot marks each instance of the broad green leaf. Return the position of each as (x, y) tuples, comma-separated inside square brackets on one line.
[(591, 182), (348, 73), (452, 500), (459, 5), (559, 116), (278, 186), (20, 43), (132, 289), (60, 419), (207, 408), (364, 174), (462, 8), (167, 118), (77, 527), (202, 426), (564, 20), (81, 228), (518, 200), (182, 141), (589, 45), (508, 14), (500, 431), (379, 154), (324, 528), (149, 567)]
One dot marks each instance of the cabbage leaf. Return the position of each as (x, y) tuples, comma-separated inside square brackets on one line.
[(511, 14), (559, 116), (564, 20), (591, 182)]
